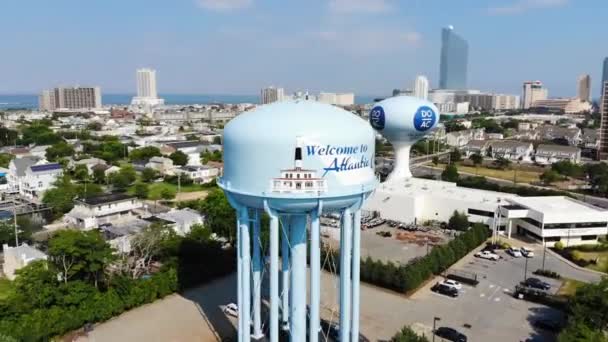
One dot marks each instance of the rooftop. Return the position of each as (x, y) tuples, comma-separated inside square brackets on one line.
[(558, 205), (45, 167), (106, 198)]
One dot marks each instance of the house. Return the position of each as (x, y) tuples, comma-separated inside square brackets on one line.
[(549, 154), (461, 138), (16, 258), (91, 212), (161, 164), (550, 132), (107, 169), (476, 147), (121, 232), (89, 163), (494, 136), (182, 220), (192, 149), (31, 176), (39, 151), (590, 139), (511, 149), (199, 174)]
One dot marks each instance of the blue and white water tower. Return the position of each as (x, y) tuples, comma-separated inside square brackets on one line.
[(295, 160)]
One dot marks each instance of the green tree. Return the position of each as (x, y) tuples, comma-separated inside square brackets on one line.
[(148, 175), (39, 133), (567, 168), (5, 159), (124, 177), (80, 255), (219, 214), (581, 332), (450, 174), (58, 150), (144, 153), (502, 163), (477, 159), (7, 233), (549, 177), (95, 126), (458, 221), (81, 172), (61, 196), (141, 190), (179, 158), (167, 194), (455, 156), (36, 285), (99, 176)]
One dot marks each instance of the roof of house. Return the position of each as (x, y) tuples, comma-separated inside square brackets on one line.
[(22, 163), (509, 144), (101, 167), (25, 252), (557, 148), (477, 143), (181, 216), (88, 161), (106, 198), (185, 144), (46, 167)]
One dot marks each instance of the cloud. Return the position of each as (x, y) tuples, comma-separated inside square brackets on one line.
[(224, 5), (526, 5), (360, 6)]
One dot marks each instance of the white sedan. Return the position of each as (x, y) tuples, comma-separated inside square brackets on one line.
[(452, 283), (232, 310), (487, 255), (514, 252)]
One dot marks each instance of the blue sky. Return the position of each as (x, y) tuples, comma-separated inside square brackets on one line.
[(238, 46)]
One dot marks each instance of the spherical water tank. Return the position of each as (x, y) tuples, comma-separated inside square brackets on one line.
[(296, 152)]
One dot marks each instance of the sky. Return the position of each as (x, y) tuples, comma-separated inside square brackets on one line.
[(239, 46)]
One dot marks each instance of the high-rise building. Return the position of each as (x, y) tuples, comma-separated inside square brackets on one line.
[(146, 89), (604, 75), (70, 98), (421, 87), (603, 149), (584, 88), (533, 91), (454, 60), (337, 99), (272, 94)]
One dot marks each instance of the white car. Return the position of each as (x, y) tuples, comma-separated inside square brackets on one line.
[(487, 255), (514, 252), (452, 283), (527, 252), (232, 310)]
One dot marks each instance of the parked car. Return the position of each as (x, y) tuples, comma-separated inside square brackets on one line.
[(445, 290), (232, 310), (450, 334), (514, 252), (452, 283), (548, 324), (487, 255), (536, 283), (527, 252)]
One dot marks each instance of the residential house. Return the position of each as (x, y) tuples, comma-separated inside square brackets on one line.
[(199, 174), (476, 147), (161, 164), (39, 151), (31, 176), (494, 136), (512, 150), (91, 212), (590, 139), (192, 149), (549, 154), (549, 132), (89, 163), (461, 138), (182, 220), (16, 258), (121, 232)]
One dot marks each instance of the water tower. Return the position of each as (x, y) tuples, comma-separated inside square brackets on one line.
[(295, 160), (403, 120)]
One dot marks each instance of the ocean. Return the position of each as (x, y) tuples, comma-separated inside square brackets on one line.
[(30, 101)]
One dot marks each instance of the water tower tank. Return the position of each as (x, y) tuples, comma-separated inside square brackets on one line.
[(403, 120), (295, 160)]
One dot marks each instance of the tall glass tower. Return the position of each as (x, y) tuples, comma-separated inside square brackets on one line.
[(454, 60), (604, 75)]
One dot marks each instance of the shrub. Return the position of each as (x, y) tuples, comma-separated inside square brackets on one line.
[(406, 334), (559, 245), (548, 274)]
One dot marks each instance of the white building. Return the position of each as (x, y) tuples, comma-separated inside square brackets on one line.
[(32, 176), (505, 102), (512, 149), (91, 212), (200, 174), (77, 98), (337, 99), (182, 220), (421, 87), (161, 164), (533, 91), (549, 154), (272, 94), (16, 258), (146, 89), (461, 138)]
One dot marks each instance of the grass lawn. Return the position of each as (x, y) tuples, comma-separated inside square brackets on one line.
[(522, 176), (5, 286), (155, 189), (602, 260), (569, 287)]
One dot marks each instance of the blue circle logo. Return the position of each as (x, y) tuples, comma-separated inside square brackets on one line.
[(377, 118), (424, 118)]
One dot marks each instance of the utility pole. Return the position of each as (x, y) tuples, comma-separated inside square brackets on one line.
[(15, 222), (435, 319), (544, 253), (179, 182), (526, 270)]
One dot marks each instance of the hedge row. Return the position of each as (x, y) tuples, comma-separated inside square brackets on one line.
[(404, 278), (482, 183), (40, 324)]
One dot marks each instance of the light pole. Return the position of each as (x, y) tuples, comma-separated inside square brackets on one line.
[(526, 269), (544, 254), (435, 319)]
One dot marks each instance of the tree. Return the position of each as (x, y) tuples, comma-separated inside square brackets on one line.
[(219, 214), (58, 150), (458, 221), (148, 175), (124, 177), (502, 163), (567, 168), (216, 156), (549, 177), (61, 196), (95, 126), (167, 194), (36, 285), (99, 176), (179, 158), (455, 156), (81, 172), (39, 133), (435, 160), (80, 255), (450, 174), (477, 159), (141, 190), (5, 159), (146, 246), (144, 153), (7, 233)]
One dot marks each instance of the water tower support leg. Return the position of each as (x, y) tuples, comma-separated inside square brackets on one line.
[(274, 274), (286, 226), (297, 285), (315, 271), (355, 279), (245, 309), (257, 284), (239, 273), (345, 281)]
